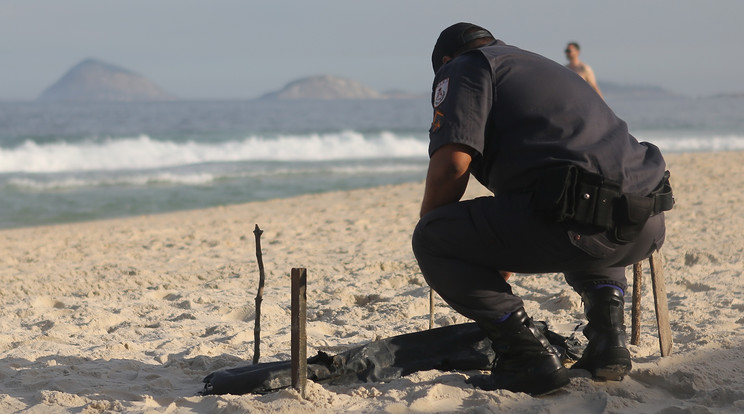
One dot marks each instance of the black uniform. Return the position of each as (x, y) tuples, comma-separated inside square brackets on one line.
[(523, 114)]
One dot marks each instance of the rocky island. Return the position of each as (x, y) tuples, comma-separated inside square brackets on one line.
[(324, 87), (95, 81)]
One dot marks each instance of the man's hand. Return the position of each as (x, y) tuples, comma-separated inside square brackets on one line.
[(447, 178)]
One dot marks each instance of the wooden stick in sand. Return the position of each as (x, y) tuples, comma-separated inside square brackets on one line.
[(298, 333), (259, 297), (660, 302), (635, 310)]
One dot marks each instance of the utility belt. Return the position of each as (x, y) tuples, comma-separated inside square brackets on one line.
[(570, 194)]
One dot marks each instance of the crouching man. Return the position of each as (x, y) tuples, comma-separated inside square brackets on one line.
[(574, 192)]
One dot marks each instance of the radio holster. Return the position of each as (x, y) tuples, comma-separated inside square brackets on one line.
[(568, 193)]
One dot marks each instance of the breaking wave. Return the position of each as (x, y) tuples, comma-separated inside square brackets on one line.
[(144, 152)]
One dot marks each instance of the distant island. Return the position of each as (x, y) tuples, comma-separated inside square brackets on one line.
[(95, 81), (327, 87), (324, 87)]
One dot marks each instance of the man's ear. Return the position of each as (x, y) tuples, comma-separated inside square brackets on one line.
[(446, 59)]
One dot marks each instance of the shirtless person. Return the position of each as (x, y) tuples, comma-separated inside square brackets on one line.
[(584, 70)]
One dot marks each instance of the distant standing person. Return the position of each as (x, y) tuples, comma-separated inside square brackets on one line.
[(575, 64)]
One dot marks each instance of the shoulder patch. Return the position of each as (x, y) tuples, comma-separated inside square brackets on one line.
[(441, 92)]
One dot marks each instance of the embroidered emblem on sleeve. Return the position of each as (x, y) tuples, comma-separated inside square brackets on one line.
[(441, 92)]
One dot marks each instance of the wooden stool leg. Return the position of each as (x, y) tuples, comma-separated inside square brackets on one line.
[(635, 310), (660, 303)]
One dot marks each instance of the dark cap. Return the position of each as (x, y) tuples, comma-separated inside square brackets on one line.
[(453, 39)]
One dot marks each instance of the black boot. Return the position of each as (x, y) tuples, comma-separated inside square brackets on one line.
[(525, 360), (606, 356)]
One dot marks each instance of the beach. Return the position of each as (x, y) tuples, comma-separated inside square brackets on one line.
[(129, 315)]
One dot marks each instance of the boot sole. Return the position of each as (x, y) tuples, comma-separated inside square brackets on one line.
[(616, 366)]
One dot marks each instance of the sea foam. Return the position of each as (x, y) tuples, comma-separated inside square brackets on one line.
[(144, 152)]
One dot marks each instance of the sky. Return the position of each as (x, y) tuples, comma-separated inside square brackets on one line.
[(230, 49)]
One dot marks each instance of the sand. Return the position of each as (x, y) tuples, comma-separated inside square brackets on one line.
[(129, 315)]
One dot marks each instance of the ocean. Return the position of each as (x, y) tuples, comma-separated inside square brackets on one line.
[(77, 162)]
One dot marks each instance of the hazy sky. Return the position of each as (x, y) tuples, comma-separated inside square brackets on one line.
[(242, 49)]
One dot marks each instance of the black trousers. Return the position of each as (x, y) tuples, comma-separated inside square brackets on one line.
[(462, 247)]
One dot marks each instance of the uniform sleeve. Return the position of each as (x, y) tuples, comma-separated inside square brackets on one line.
[(461, 98)]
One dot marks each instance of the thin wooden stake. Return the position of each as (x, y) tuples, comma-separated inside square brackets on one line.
[(660, 302), (259, 297), (298, 334), (635, 310)]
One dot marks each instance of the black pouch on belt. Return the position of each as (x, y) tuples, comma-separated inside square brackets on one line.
[(555, 191), (595, 200), (567, 193)]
